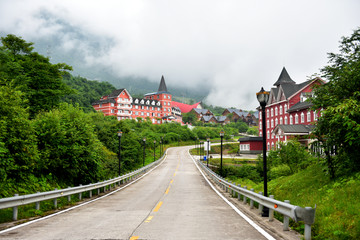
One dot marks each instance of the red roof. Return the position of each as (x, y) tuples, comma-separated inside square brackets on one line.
[(185, 108)]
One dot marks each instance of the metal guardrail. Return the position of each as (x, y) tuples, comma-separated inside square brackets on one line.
[(307, 214), (16, 201)]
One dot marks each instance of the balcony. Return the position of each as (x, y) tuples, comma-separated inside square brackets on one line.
[(124, 106), (124, 114)]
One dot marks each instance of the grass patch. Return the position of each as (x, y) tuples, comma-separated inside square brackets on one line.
[(337, 212)]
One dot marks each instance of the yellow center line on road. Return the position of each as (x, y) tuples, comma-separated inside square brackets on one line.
[(171, 181), (174, 174), (134, 238), (167, 190), (149, 219), (158, 206)]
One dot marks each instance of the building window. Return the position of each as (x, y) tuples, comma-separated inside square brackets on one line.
[(100, 105), (315, 116), (142, 113), (296, 119), (260, 125), (112, 111), (147, 114), (158, 109), (308, 116), (268, 135), (147, 107), (272, 112), (272, 123), (302, 118), (267, 124), (136, 106), (276, 122), (268, 146), (281, 120), (280, 110), (136, 113), (285, 108), (291, 120), (276, 111), (285, 120), (142, 107), (112, 104), (267, 113), (152, 108)]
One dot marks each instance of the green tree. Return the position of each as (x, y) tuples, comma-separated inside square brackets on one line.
[(18, 151), (338, 129), (32, 73), (68, 146), (189, 117)]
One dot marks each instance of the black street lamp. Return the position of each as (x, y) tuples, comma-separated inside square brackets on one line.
[(200, 150), (221, 159), (208, 149), (154, 149), (263, 97), (119, 135), (144, 140), (160, 148), (197, 141)]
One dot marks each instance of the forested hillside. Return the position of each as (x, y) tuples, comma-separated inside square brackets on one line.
[(85, 91)]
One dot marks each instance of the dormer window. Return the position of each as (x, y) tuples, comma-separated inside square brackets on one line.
[(147, 102), (142, 101)]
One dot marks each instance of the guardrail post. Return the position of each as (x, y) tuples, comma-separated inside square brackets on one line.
[(251, 201), (69, 197), (307, 232), (55, 200), (260, 205), (80, 194), (37, 205), (239, 196), (244, 197), (271, 211), (90, 194), (286, 220), (98, 190), (15, 210)]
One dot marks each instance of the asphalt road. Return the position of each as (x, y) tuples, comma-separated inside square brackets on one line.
[(174, 201)]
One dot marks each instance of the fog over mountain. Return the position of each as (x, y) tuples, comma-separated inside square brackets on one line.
[(220, 51)]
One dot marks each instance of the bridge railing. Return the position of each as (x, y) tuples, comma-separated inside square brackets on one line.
[(307, 214), (16, 201)]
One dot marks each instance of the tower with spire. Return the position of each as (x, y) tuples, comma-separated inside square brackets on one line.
[(164, 96)]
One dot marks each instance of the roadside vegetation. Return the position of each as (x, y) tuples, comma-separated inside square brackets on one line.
[(330, 178)]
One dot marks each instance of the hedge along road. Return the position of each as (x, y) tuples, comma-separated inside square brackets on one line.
[(174, 201)]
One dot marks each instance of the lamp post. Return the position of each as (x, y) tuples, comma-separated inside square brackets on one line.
[(119, 135), (221, 158), (162, 144), (263, 97), (144, 140), (160, 148), (200, 149), (208, 149), (197, 141), (154, 149)]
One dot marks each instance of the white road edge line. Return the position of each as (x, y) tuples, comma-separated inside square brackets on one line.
[(252, 223), (80, 205)]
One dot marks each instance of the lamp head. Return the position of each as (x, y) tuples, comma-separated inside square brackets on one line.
[(119, 133), (222, 133), (263, 97)]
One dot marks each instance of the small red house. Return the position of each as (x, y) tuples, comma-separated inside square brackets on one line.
[(251, 145)]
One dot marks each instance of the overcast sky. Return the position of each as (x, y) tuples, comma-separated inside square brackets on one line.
[(234, 47)]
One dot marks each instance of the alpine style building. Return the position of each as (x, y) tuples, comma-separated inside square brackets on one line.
[(288, 114), (155, 106)]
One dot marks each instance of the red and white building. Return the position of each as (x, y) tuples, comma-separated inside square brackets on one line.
[(155, 106), (288, 114)]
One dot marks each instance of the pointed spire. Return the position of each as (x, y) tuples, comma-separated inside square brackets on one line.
[(284, 78), (162, 86)]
